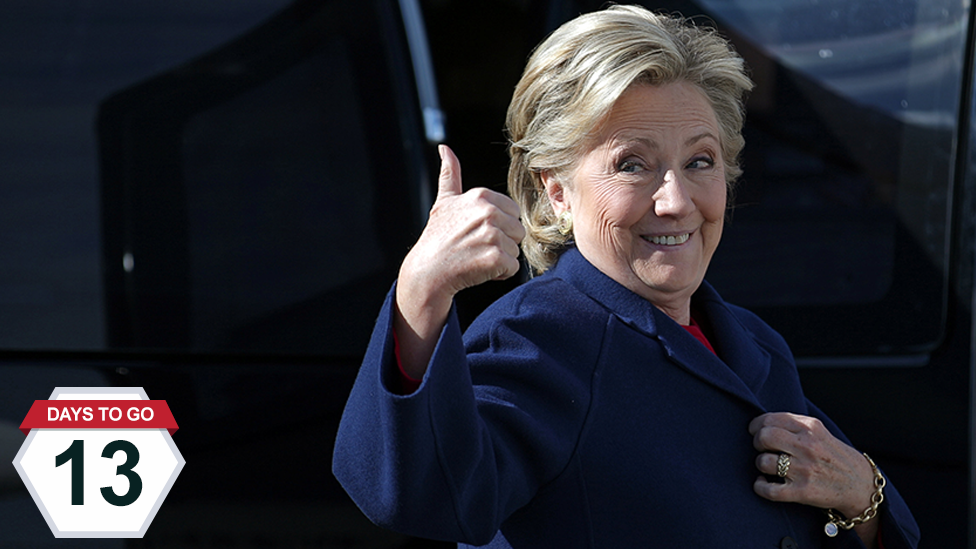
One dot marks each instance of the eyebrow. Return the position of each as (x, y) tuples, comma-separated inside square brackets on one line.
[(637, 141), (688, 142), (703, 135)]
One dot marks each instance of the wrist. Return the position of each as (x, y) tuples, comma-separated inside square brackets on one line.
[(419, 310), (419, 316), (837, 522)]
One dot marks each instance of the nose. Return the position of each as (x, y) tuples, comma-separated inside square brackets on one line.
[(671, 199)]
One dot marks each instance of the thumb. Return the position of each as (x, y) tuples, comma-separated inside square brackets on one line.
[(449, 180)]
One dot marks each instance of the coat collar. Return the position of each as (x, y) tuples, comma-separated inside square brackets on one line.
[(744, 366)]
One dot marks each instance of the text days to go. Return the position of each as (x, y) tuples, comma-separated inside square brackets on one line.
[(87, 413)]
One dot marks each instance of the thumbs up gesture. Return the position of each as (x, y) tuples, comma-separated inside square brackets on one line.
[(470, 238)]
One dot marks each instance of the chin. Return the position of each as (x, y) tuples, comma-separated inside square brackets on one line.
[(668, 276)]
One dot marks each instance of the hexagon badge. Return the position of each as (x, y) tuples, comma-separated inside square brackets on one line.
[(99, 461)]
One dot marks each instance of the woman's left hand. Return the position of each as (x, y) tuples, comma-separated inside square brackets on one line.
[(823, 471)]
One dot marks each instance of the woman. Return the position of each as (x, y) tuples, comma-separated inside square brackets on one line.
[(614, 400)]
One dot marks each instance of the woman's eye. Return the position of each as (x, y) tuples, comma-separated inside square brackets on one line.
[(701, 163), (630, 166)]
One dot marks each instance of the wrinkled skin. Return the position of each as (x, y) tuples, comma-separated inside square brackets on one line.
[(824, 472), (648, 199), (470, 238)]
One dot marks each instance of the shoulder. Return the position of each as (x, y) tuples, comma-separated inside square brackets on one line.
[(546, 298), (757, 326), (751, 323), (546, 313), (763, 332)]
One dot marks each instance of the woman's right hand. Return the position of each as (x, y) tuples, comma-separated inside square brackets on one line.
[(470, 238)]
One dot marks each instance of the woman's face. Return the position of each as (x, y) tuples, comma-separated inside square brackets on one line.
[(648, 196)]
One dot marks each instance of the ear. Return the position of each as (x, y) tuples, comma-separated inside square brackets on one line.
[(556, 192)]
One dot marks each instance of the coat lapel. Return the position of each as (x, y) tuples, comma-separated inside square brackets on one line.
[(746, 365), (743, 367)]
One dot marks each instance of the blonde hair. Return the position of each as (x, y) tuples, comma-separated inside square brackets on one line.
[(573, 79)]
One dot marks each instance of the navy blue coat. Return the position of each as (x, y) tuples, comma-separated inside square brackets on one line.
[(575, 414)]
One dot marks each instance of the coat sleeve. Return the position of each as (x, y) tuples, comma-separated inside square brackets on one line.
[(898, 527), (455, 458)]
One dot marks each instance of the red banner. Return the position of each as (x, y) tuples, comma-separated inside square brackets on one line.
[(99, 414)]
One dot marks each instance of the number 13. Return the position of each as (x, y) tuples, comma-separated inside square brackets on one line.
[(76, 455)]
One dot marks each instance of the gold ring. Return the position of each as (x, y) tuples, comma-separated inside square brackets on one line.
[(783, 465)]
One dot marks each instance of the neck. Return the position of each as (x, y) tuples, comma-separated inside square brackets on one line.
[(680, 314)]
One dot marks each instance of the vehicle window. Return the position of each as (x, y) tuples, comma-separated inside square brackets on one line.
[(160, 195), (59, 60), (260, 199), (273, 215), (204, 177), (839, 233)]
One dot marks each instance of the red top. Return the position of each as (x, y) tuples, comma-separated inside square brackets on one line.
[(407, 383), (695, 330)]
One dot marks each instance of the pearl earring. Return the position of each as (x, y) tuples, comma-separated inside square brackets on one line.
[(565, 223)]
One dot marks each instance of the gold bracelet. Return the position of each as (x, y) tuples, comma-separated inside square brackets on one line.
[(835, 522)]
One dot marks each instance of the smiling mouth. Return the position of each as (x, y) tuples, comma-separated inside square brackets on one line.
[(668, 240)]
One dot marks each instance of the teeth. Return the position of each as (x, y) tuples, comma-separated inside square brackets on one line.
[(668, 240)]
